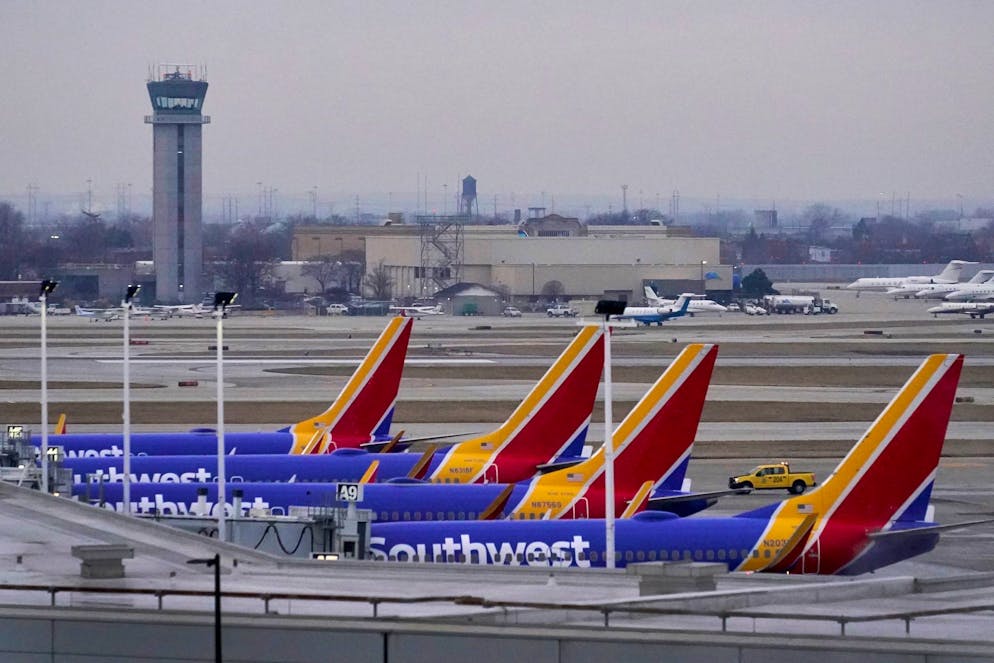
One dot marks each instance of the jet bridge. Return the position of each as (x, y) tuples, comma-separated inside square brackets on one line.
[(19, 461)]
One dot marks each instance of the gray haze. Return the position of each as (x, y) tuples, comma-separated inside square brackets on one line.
[(761, 100)]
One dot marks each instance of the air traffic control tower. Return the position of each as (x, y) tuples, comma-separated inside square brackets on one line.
[(177, 94)]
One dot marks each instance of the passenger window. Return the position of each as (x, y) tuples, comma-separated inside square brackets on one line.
[(452, 515), (733, 554), (640, 555), (521, 557), (686, 555), (396, 515), (721, 554), (417, 515), (462, 515), (709, 555), (698, 555), (407, 515), (629, 556), (652, 555), (766, 553), (593, 556)]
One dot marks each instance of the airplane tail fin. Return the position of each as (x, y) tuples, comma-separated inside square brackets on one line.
[(365, 405), (651, 298), (951, 272), (655, 440), (60, 427), (652, 443), (886, 478), (551, 421)]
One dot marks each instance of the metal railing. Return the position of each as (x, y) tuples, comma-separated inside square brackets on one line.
[(906, 616)]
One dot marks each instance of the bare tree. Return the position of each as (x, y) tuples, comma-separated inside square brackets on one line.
[(553, 289), (250, 258), (378, 282), (323, 269)]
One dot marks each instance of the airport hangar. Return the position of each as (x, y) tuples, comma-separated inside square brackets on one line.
[(538, 260)]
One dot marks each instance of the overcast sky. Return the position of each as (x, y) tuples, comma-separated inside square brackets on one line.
[(758, 100)]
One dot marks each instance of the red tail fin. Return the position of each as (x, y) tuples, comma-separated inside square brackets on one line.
[(365, 405)]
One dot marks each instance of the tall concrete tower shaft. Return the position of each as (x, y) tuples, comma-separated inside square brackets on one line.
[(177, 94)]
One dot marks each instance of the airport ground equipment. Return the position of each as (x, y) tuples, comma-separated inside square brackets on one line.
[(774, 476)]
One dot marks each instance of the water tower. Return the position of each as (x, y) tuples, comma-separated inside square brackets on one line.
[(177, 94), (468, 205)]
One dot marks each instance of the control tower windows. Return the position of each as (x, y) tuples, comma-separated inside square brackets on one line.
[(178, 103)]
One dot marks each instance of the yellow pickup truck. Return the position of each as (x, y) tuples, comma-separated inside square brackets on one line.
[(774, 475)]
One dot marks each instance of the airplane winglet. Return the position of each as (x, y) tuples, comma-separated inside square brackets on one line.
[(370, 474), (60, 427), (392, 444), (496, 507), (421, 467), (639, 501)]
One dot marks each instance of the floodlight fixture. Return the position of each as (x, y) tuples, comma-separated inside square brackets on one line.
[(47, 287), (222, 300)]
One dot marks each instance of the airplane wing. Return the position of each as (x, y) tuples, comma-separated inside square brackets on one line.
[(917, 531), (399, 443), (661, 502)]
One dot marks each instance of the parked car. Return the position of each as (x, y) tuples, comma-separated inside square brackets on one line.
[(337, 309), (561, 311), (511, 312)]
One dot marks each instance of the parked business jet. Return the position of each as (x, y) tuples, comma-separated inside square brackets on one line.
[(360, 415), (972, 309), (872, 511), (698, 303), (948, 275), (101, 314), (653, 447), (940, 290), (970, 292), (417, 311), (549, 426), (656, 315)]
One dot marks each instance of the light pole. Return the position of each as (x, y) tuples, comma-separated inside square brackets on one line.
[(221, 301), (214, 561), (704, 284), (126, 306), (47, 287), (607, 308)]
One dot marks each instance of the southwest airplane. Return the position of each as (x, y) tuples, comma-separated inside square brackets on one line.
[(653, 448), (871, 512), (948, 275), (657, 315), (360, 415), (550, 423)]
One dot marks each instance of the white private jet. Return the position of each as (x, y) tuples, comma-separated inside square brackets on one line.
[(969, 292), (972, 309), (418, 311), (698, 303), (883, 283), (180, 310), (940, 290), (102, 314)]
